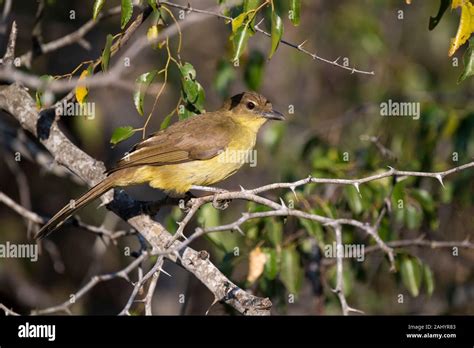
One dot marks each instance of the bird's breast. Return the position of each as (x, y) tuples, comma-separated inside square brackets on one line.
[(180, 177)]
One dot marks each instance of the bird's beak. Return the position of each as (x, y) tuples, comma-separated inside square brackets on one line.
[(273, 115)]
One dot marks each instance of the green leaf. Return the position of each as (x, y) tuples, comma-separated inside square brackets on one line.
[(424, 198), (188, 79), (208, 216), (39, 91), (428, 279), (166, 122), (295, 9), (274, 232), (192, 92), (314, 229), (413, 217), (127, 11), (468, 62), (250, 5), (271, 268), (143, 82), (98, 4), (152, 3), (443, 6), (353, 199), (224, 77), (410, 270), (277, 32), (238, 21), (106, 53), (121, 134), (240, 40), (291, 272), (253, 74), (188, 70)]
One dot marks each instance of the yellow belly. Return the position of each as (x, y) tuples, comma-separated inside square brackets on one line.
[(179, 178)]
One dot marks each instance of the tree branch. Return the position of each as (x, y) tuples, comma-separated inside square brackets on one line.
[(299, 47), (16, 101)]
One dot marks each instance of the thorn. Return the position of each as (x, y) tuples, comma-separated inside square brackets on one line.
[(440, 179), (282, 202), (356, 185), (238, 229), (162, 270), (212, 304), (242, 188), (293, 189), (335, 61), (300, 46), (124, 276), (355, 310)]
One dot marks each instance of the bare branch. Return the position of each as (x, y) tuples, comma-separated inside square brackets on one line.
[(66, 305), (422, 242), (339, 290), (7, 310), (71, 38)]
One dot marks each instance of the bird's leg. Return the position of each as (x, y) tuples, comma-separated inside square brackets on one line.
[(185, 202), (221, 204)]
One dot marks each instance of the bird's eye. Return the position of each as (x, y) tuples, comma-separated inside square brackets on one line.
[(250, 105)]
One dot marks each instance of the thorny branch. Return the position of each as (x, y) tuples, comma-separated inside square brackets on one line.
[(18, 103)]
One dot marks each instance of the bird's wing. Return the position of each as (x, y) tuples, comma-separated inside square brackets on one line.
[(198, 138)]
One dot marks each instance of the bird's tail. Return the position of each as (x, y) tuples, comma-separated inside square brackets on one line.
[(62, 215)]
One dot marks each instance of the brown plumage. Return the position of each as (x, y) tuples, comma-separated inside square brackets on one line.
[(190, 152)]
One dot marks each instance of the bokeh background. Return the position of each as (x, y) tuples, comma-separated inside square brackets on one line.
[(334, 114)]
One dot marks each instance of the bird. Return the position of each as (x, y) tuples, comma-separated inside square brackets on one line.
[(200, 150)]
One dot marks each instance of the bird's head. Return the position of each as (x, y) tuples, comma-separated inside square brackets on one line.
[(250, 106)]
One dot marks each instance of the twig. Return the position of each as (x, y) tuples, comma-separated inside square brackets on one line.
[(65, 306), (260, 30), (422, 242), (339, 290), (153, 272), (7, 310), (71, 38), (33, 217)]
